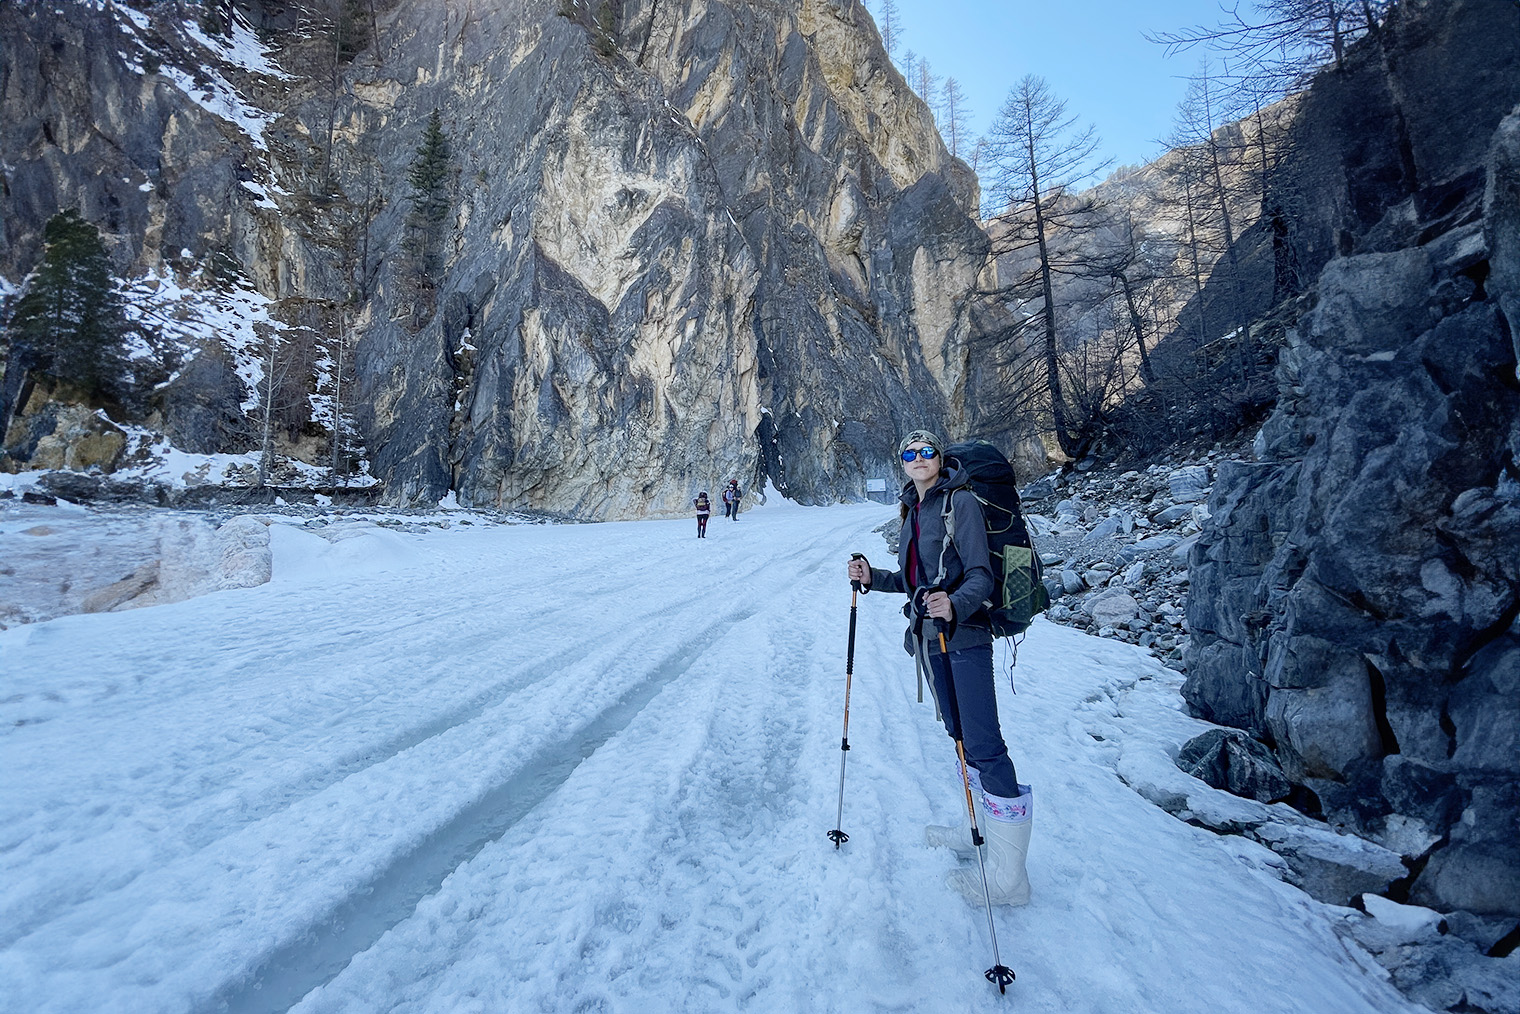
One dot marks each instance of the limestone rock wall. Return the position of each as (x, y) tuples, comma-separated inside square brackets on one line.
[(734, 247), (723, 241)]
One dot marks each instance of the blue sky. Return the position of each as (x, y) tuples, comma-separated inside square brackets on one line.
[(1090, 52)]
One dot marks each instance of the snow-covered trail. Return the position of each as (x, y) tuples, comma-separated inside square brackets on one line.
[(592, 768)]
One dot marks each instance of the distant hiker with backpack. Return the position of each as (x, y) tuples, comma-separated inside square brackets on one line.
[(731, 495), (704, 508), (945, 570)]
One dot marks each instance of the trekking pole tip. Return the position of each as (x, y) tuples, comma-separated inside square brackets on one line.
[(1001, 976)]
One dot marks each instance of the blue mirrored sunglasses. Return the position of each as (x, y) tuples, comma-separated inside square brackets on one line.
[(927, 453)]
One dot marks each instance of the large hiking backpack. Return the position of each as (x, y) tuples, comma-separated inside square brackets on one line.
[(1018, 593)]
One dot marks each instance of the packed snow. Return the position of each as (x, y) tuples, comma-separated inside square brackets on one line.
[(592, 768)]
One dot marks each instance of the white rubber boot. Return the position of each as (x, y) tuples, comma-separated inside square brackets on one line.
[(1009, 823), (958, 839)]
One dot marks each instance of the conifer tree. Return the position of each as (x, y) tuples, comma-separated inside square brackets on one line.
[(605, 36), (70, 323), (352, 28), (926, 83), (216, 17), (890, 32), (428, 174), (955, 116)]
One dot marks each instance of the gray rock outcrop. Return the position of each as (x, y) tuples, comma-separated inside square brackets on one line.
[(49, 434), (1434, 961), (1355, 591), (1229, 759)]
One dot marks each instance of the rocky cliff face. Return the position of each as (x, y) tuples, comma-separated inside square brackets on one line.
[(1355, 594), (733, 246), (687, 241)]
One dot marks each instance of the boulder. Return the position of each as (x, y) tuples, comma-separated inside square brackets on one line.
[(1229, 759), (1440, 969), (1334, 868), (1174, 514), (1040, 489), (243, 555), (1104, 531), (1189, 484), (1183, 550), (1039, 525), (1143, 547), (1111, 608), (118, 593), (1481, 876), (50, 434), (1072, 507), (1054, 588)]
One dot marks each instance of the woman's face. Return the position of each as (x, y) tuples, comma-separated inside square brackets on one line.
[(921, 469)]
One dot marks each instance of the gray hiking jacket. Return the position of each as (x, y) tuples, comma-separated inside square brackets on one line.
[(967, 568)]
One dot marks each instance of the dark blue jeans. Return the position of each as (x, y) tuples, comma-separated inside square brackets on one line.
[(976, 702)]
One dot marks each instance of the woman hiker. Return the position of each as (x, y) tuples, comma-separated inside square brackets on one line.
[(949, 578), (704, 508)]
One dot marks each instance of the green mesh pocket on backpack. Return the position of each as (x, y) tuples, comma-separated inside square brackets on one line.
[(1024, 594)]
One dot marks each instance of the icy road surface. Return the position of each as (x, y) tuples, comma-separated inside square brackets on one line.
[(593, 768)]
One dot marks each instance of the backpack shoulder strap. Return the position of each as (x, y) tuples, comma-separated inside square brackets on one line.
[(948, 516)]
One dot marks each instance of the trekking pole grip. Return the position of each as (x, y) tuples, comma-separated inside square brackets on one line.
[(940, 626), (856, 585)]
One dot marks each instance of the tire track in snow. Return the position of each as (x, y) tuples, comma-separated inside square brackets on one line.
[(477, 704), (734, 829), (283, 976), (230, 811), (241, 806)]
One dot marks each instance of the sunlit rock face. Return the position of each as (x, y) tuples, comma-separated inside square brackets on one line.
[(706, 240), (724, 242)]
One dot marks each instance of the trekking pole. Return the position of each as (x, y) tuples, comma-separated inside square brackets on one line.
[(837, 836), (999, 974)]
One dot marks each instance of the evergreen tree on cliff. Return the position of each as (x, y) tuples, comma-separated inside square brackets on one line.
[(428, 174), (70, 324)]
